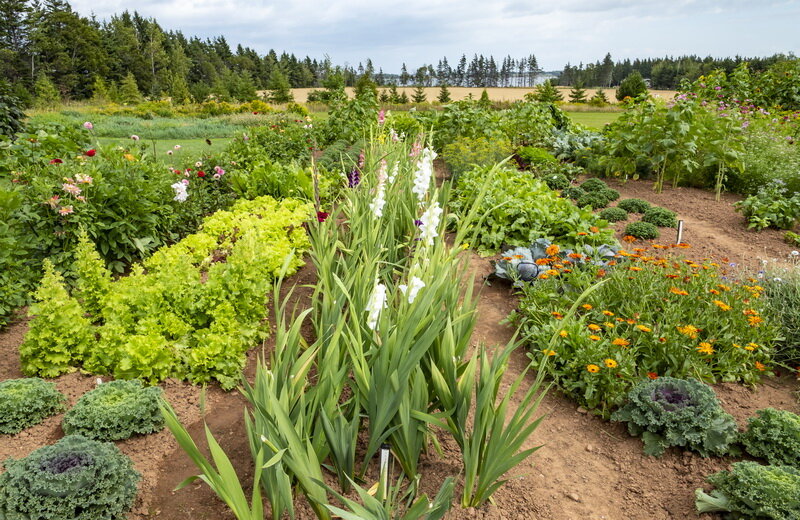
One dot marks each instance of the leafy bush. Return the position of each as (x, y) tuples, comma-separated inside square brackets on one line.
[(631, 87), (534, 157), (556, 181), (593, 199), (466, 153), (661, 217), (650, 316), (770, 207), (278, 180), (517, 209), (642, 230), (573, 192), (614, 214), (11, 115), (190, 311), (284, 139), (115, 411), (594, 184), (25, 402), (750, 490), (774, 435), (668, 412), (17, 278), (782, 292), (634, 205), (75, 478), (610, 194)]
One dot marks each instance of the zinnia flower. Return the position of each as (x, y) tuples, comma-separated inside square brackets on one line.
[(88, 125), (56, 161), (65, 210), (90, 153)]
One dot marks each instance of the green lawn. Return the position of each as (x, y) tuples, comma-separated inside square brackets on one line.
[(190, 149), (594, 120)]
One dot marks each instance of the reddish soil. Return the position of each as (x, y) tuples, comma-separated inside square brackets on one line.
[(586, 467)]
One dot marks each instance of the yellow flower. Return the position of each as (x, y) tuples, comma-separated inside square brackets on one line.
[(465, 245), (705, 348), (587, 306), (594, 337), (548, 352), (722, 305), (643, 328), (543, 277), (679, 292), (593, 368), (557, 315), (635, 268), (724, 287), (129, 157), (594, 327), (751, 346), (552, 272), (609, 325), (754, 320), (608, 313), (563, 334), (620, 342), (689, 330), (610, 363)]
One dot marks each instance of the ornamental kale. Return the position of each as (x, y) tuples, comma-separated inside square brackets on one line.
[(26, 402), (676, 412)]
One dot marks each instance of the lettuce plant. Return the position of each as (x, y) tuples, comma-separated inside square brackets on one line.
[(677, 412), (750, 490), (25, 402), (774, 435), (75, 478)]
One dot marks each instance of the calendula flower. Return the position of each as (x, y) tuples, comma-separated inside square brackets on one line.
[(608, 313), (610, 363), (705, 348), (688, 330), (594, 327), (609, 325), (679, 292), (652, 375), (594, 229), (754, 320), (587, 306), (543, 276), (413, 287), (129, 157), (542, 261), (643, 328), (620, 342), (751, 346), (713, 291), (724, 287), (629, 238), (552, 272), (593, 368), (563, 334), (760, 366), (548, 352), (582, 233), (722, 305), (557, 315), (376, 303), (594, 337), (552, 250), (634, 268)]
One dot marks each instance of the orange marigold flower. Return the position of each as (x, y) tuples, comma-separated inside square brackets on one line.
[(594, 229), (620, 319), (594, 337), (574, 255), (552, 250), (629, 238), (689, 330), (608, 313), (594, 327), (754, 320), (630, 321), (658, 246), (760, 366), (652, 375), (679, 292), (643, 328), (593, 368), (705, 348), (542, 261), (552, 272), (640, 249), (587, 306), (713, 291), (582, 233), (563, 334), (620, 342), (543, 277), (722, 305), (610, 363), (671, 276), (750, 312)]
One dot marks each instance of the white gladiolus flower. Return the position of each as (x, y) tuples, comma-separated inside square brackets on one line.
[(429, 229), (424, 174), (395, 171), (379, 202), (412, 289), (181, 192), (376, 303)]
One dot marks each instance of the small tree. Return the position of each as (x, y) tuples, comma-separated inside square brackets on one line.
[(11, 115), (179, 89), (384, 97), (394, 95), (419, 95), (599, 99), (279, 87), (546, 93), (129, 90), (100, 91), (631, 87), (444, 94), (365, 88), (46, 94), (484, 101), (402, 99), (577, 94)]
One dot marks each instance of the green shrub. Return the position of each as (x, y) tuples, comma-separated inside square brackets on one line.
[(634, 205), (573, 192), (283, 139), (534, 157), (642, 230), (115, 411), (75, 479), (750, 490), (594, 184), (25, 402), (631, 87), (782, 291), (11, 115), (610, 194), (772, 206), (669, 412), (466, 153), (556, 181), (613, 214), (774, 435), (595, 199), (661, 217)]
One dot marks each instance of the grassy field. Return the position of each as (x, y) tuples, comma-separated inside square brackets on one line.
[(594, 120), (190, 150)]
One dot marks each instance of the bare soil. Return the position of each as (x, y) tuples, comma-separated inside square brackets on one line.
[(586, 467)]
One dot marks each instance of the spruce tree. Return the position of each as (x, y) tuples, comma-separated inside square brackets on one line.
[(394, 95), (278, 85), (484, 101), (419, 95), (100, 91), (129, 90), (402, 99), (179, 89), (384, 97), (547, 93), (444, 94), (46, 95), (577, 94), (599, 99)]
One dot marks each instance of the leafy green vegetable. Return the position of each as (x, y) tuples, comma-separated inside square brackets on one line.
[(774, 435), (25, 402)]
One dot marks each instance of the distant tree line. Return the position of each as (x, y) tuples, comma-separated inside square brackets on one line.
[(663, 73), (480, 71)]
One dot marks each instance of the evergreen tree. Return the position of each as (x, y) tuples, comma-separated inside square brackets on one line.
[(11, 115), (394, 95), (402, 99), (384, 97), (599, 99), (45, 93), (179, 89), (365, 88), (100, 93), (547, 93), (631, 87), (484, 101), (578, 93), (419, 95), (278, 85), (444, 94), (129, 90), (404, 75)]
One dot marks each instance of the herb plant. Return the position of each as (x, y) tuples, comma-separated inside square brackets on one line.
[(660, 217), (614, 214), (642, 230), (594, 199), (634, 205)]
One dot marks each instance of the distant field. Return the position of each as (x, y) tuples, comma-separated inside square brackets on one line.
[(190, 150), (595, 120), (495, 93)]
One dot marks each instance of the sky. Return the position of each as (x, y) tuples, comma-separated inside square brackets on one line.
[(418, 32)]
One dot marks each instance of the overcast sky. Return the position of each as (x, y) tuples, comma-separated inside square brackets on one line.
[(422, 31)]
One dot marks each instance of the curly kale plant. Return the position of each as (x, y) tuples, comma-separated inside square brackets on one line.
[(643, 230), (75, 478), (774, 435), (116, 410), (614, 214), (634, 205), (25, 402), (661, 217), (750, 490), (677, 412)]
